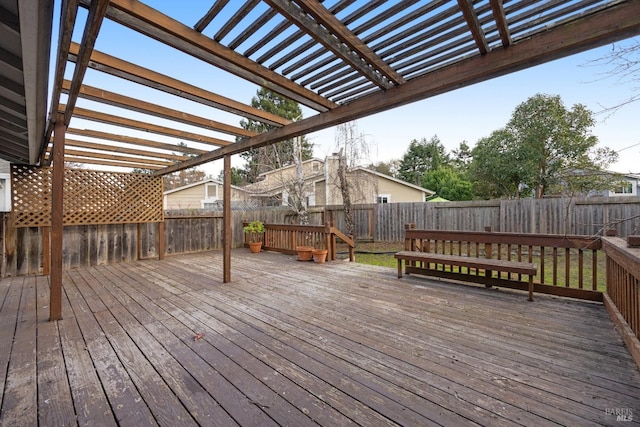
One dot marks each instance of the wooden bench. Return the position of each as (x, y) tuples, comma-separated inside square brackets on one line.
[(488, 265)]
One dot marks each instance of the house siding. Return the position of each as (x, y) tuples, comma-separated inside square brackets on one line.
[(192, 197)]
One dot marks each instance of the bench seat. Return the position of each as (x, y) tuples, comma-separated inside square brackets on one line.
[(516, 267)]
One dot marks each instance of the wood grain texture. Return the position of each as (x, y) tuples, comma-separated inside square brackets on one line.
[(155, 342)]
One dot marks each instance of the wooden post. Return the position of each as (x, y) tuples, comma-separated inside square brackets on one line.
[(327, 241), (46, 251), (57, 214), (226, 216)]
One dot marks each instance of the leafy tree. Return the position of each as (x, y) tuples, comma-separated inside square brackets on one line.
[(448, 183), (494, 169), (277, 155), (544, 149), (421, 157)]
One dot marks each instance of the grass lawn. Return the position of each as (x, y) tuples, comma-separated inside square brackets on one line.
[(381, 254)]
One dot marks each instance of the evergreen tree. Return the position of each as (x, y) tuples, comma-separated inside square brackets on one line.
[(274, 156)]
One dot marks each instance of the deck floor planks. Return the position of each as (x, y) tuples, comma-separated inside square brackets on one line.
[(289, 382), (293, 343), (321, 369), (396, 366), (125, 401), (416, 332), (21, 406), (446, 385), (482, 323), (363, 370), (90, 402), (55, 404), (12, 288), (316, 319), (246, 414)]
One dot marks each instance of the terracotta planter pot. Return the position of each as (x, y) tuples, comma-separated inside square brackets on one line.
[(255, 247), (320, 255), (305, 253)]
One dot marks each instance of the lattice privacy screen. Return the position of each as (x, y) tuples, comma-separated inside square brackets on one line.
[(90, 197)]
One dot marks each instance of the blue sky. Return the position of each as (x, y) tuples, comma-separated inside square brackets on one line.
[(466, 114)]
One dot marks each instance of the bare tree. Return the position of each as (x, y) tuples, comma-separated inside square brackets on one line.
[(298, 186), (623, 65), (353, 149)]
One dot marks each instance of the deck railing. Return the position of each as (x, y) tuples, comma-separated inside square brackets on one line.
[(286, 238), (567, 265), (622, 298)]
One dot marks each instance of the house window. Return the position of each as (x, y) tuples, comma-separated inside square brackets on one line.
[(211, 191), (383, 198), (624, 188), (315, 166)]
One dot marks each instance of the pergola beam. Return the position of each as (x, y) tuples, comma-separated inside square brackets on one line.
[(135, 141), (106, 148), (335, 36), (473, 23), (126, 70), (145, 126), (97, 11), (146, 20), (107, 156), (132, 104), (110, 163), (497, 8), (616, 23)]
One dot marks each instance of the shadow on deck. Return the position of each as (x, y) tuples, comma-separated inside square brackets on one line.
[(290, 343)]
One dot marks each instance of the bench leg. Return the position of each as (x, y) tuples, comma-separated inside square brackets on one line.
[(530, 288), (399, 269)]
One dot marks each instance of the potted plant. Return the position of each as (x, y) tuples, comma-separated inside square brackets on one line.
[(305, 253), (254, 231), (320, 255)]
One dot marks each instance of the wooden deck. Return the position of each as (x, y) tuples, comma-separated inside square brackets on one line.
[(297, 344)]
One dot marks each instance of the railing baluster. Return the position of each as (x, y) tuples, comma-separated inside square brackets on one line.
[(567, 267)]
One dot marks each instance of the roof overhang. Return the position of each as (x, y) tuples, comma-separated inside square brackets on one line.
[(25, 44)]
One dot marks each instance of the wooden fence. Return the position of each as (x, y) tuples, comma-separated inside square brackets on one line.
[(586, 217), (192, 231)]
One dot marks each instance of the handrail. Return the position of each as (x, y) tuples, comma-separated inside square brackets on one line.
[(564, 265), (286, 238), (622, 298)]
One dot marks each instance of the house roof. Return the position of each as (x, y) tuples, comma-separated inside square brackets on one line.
[(25, 28), (195, 184), (396, 180), (343, 60), (271, 183)]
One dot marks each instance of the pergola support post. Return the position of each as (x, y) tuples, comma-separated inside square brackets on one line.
[(57, 214), (226, 216)]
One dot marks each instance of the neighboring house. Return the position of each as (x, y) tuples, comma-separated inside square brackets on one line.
[(322, 185), (627, 186), (205, 194)]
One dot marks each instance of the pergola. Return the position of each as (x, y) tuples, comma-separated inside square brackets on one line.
[(343, 59)]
